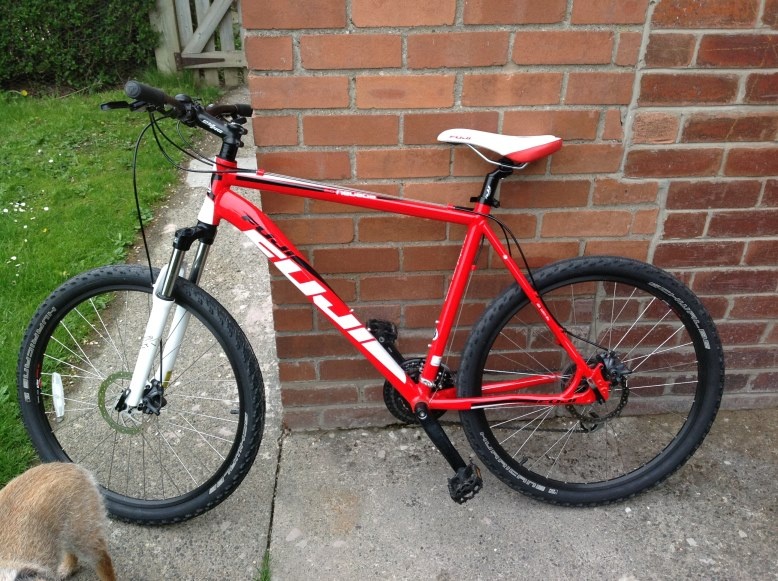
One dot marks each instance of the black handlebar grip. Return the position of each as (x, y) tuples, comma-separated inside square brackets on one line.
[(151, 95)]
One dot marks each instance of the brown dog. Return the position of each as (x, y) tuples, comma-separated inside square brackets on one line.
[(50, 517)]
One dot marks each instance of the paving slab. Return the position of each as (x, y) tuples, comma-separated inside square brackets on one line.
[(373, 504)]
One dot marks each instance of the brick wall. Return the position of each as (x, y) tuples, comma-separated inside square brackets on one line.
[(668, 111)]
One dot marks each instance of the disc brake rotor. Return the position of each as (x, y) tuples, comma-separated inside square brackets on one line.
[(123, 422)]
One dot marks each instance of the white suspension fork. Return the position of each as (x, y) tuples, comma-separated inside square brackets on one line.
[(160, 310)]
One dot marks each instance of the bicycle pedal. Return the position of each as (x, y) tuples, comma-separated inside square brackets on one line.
[(465, 484)]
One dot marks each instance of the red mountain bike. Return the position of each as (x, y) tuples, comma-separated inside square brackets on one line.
[(584, 382)]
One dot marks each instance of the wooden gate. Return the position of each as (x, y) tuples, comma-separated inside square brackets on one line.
[(203, 40)]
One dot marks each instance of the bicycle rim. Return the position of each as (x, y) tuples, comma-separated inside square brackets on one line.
[(87, 343), (657, 413)]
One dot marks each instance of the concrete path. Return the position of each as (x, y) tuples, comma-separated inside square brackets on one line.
[(373, 504)]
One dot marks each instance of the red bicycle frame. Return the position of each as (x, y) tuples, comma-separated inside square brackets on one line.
[(223, 203)]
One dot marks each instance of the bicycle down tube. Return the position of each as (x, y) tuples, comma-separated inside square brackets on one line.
[(222, 203)]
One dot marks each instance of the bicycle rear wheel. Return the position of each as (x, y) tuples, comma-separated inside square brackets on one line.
[(154, 468), (667, 359)]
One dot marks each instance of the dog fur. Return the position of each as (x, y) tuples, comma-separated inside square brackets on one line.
[(51, 517)]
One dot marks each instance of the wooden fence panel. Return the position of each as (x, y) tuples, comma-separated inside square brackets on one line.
[(207, 37)]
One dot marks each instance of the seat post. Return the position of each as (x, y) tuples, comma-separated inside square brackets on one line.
[(489, 190)]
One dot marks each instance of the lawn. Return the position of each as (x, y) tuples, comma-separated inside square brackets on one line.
[(66, 205)]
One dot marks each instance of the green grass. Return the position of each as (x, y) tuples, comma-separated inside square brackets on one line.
[(66, 205)]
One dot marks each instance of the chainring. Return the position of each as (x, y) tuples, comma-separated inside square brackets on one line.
[(397, 405)]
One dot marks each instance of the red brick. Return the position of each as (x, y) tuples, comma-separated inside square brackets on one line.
[(770, 15), (343, 260), (766, 381), (687, 89), (672, 162), (270, 131), (564, 123), (405, 92), (318, 165), (308, 346), (298, 92), (770, 197), (351, 51), (351, 129), (511, 89), (609, 192), (514, 11), (411, 287), (755, 307), (668, 50), (738, 50), (522, 225), (269, 53), (732, 281), (378, 13), (740, 334), (599, 88), (715, 194), (526, 194), (707, 127), (644, 222), (345, 369), (752, 162), (684, 225), (613, 127), (422, 128), (706, 14), (698, 254), (762, 252), (400, 229), (279, 14), (296, 371), (294, 318), (319, 395), (298, 419), (762, 88), (587, 158), (609, 12), (273, 203), (457, 49), (628, 50), (402, 163), (655, 127), (744, 223), (637, 249), (437, 257), (586, 223), (550, 47), (306, 230)]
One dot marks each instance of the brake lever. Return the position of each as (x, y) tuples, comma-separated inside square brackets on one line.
[(134, 106), (115, 105)]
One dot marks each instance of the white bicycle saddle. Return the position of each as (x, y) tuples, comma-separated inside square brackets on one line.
[(516, 148)]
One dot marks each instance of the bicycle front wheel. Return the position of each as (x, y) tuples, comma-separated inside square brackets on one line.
[(77, 359), (660, 348)]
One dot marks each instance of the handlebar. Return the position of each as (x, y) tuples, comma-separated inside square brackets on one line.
[(151, 95), (189, 112)]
